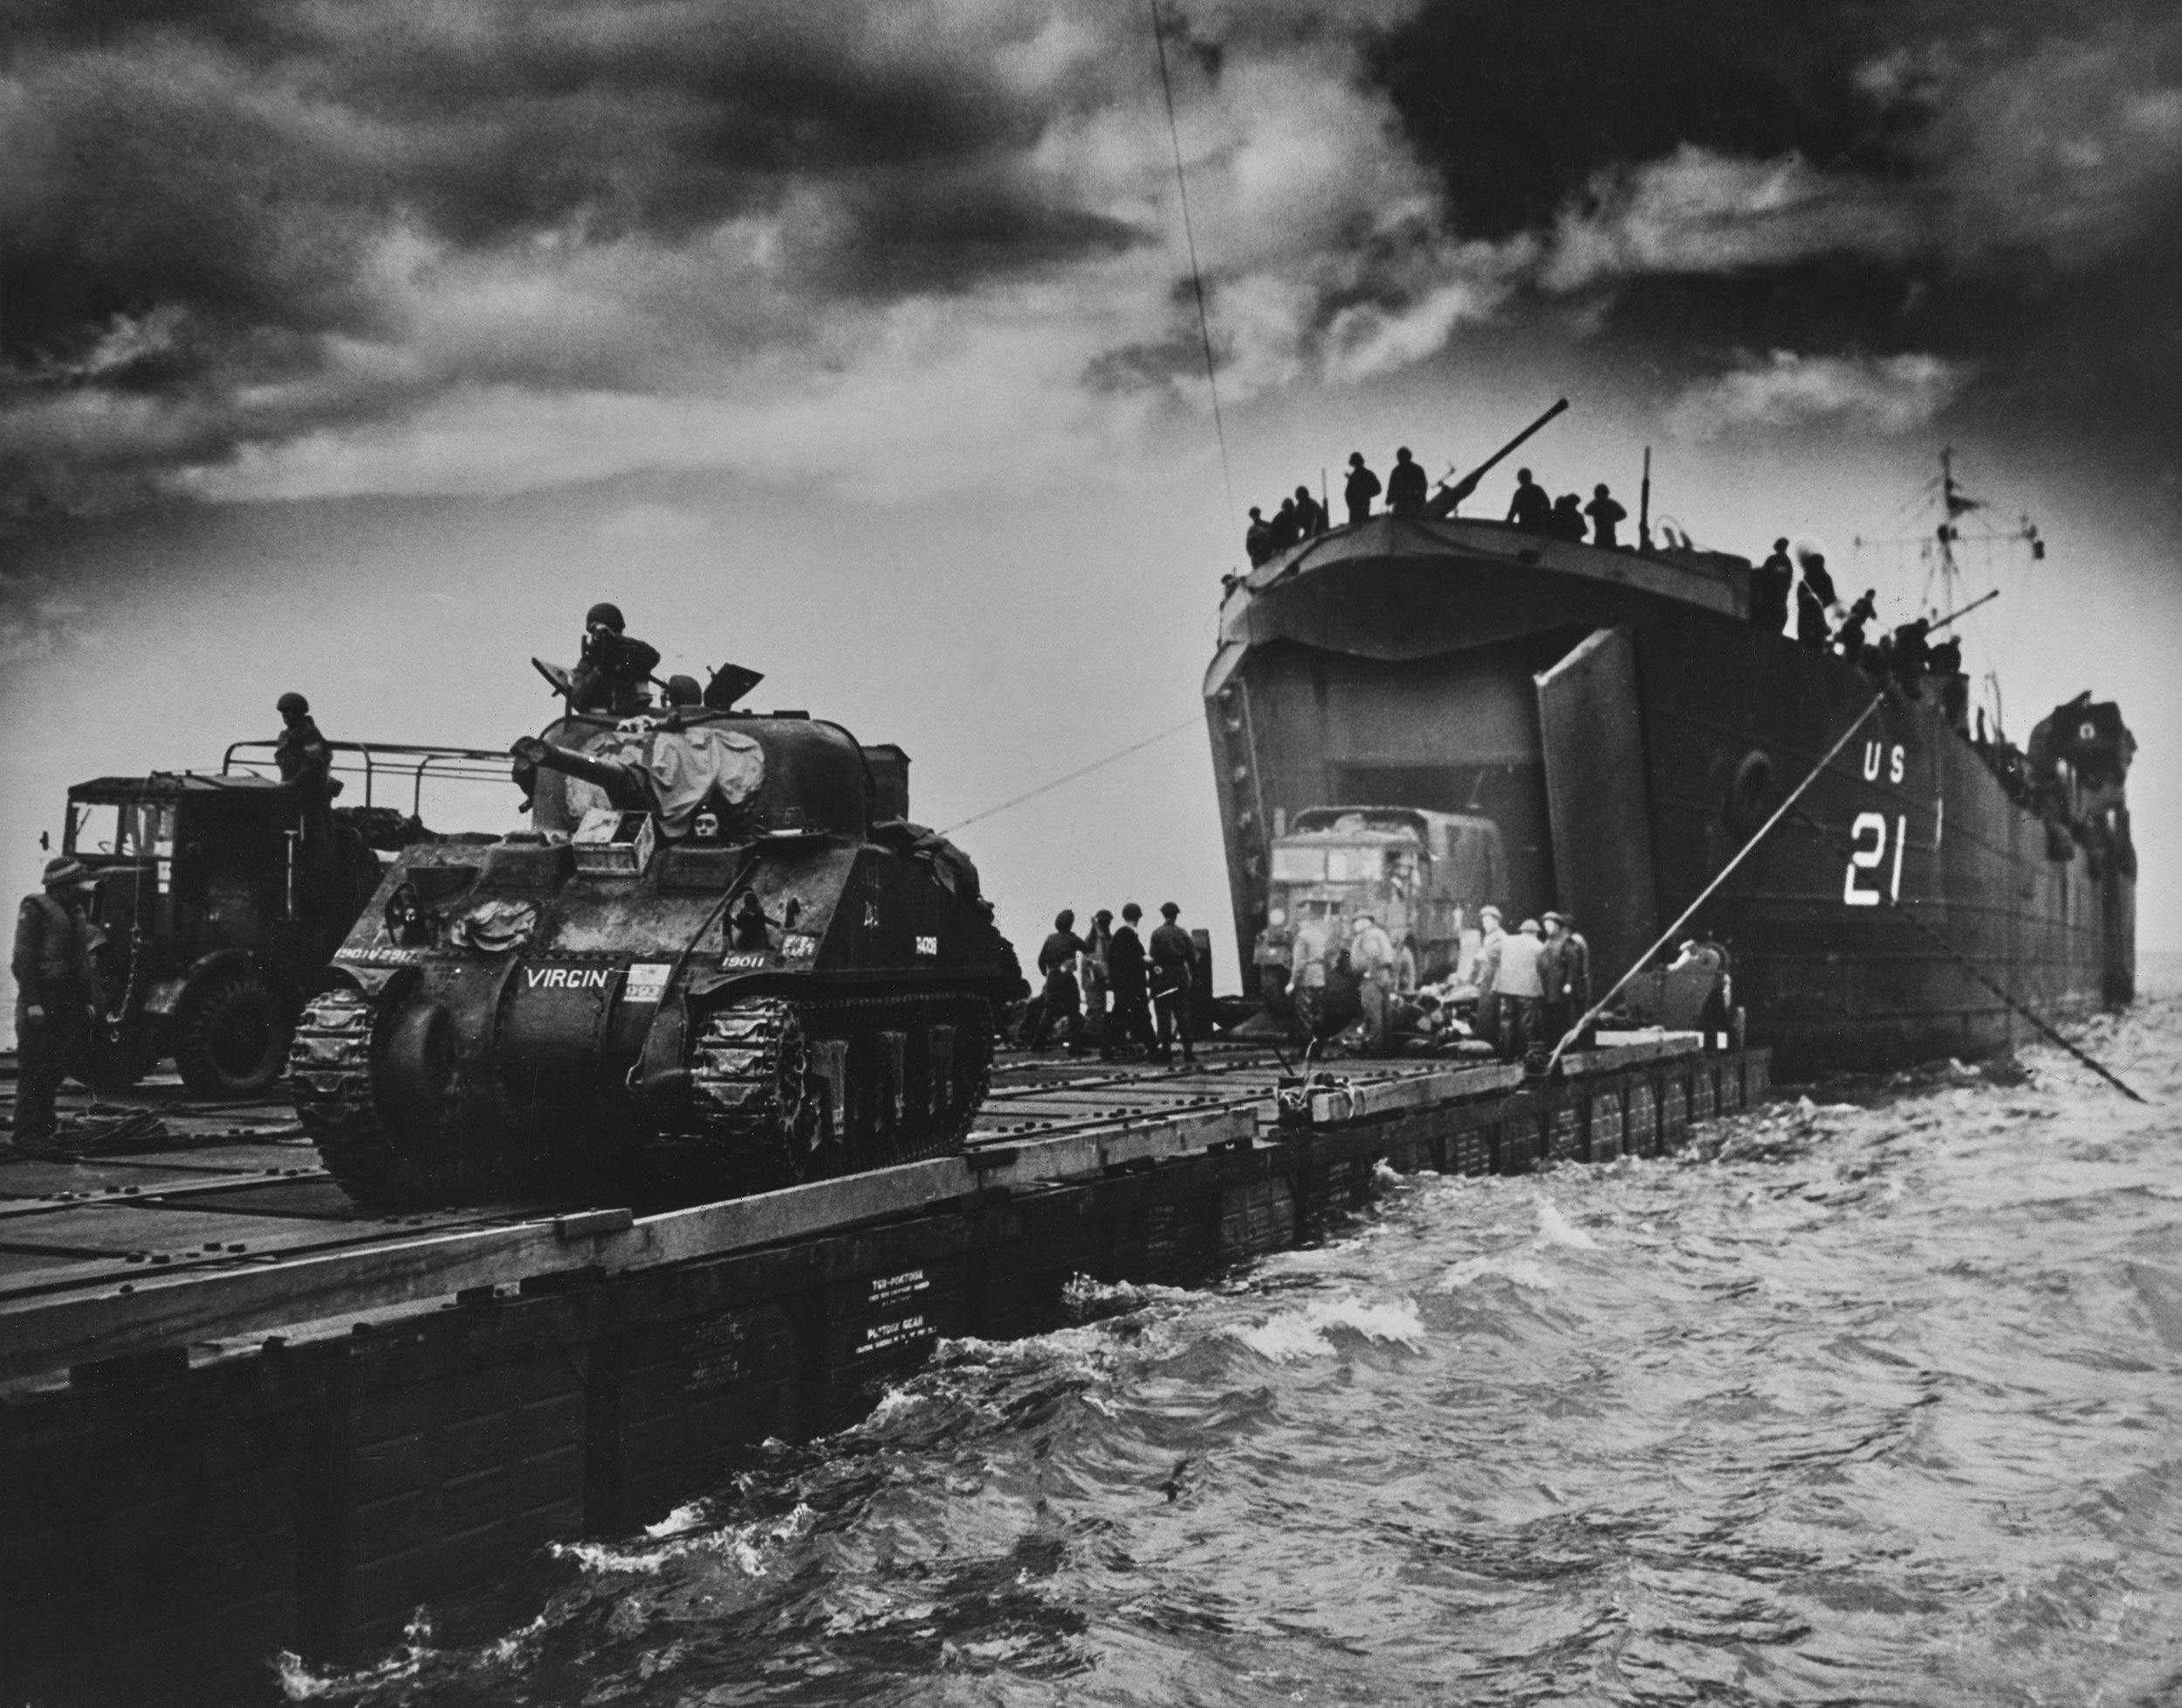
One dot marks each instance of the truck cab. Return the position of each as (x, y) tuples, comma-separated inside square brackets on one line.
[(1422, 874), (219, 911)]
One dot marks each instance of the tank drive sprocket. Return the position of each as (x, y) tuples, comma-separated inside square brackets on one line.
[(382, 1155)]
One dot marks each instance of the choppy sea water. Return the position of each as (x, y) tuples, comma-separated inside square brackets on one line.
[(1875, 1398)]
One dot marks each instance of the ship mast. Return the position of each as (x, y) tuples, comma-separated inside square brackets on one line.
[(1945, 587)]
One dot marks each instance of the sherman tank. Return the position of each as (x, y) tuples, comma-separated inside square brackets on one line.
[(721, 960)]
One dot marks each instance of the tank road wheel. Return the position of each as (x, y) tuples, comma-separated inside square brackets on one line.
[(788, 1093), (231, 1034)]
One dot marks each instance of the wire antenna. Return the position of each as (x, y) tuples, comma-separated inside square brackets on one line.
[(1190, 237)]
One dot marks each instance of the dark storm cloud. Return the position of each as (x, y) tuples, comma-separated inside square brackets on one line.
[(1997, 184), (209, 205)]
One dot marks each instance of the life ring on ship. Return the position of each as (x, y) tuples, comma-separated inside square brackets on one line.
[(1750, 795)]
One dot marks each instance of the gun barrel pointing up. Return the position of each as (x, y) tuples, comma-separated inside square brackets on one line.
[(1468, 483)]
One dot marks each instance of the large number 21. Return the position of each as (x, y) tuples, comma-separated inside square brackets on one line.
[(1873, 826)]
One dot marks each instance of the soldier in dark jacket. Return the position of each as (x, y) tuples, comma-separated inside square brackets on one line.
[(1405, 485), (1310, 514), (1361, 488), (1132, 1000), (615, 671), (1564, 968), (306, 760), (1606, 514), (1530, 508), (56, 998), (1257, 537), (1060, 1003), (1771, 583), (1286, 528), (1171, 976)]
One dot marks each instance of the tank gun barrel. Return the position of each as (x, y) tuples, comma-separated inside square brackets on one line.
[(625, 785)]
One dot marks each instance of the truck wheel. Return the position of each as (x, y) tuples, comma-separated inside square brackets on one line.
[(231, 1035)]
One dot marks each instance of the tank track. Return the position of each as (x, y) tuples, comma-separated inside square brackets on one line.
[(756, 1101), (755, 1085), (329, 1079)]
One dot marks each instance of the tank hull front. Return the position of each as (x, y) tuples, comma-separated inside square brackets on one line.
[(1718, 721)]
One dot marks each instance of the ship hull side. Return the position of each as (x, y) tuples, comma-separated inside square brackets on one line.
[(1830, 972)]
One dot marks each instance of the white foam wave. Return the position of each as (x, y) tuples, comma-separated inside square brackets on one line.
[(1555, 1229), (745, 1545), (1526, 1272), (1288, 1337), (682, 1518)]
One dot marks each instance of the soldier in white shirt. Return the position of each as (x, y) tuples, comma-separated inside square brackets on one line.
[(1518, 991)]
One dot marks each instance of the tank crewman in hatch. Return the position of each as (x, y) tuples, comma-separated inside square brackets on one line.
[(615, 668), (1172, 976), (57, 997)]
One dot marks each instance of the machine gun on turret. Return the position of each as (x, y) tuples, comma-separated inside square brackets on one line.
[(1449, 498)]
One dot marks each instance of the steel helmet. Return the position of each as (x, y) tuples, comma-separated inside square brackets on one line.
[(292, 703), (604, 612)]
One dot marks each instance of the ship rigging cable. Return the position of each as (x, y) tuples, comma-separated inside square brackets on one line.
[(1189, 236), (1081, 771), (1719, 878), (1967, 965)]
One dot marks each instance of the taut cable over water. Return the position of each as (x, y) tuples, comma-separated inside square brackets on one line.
[(1719, 878), (1969, 966)]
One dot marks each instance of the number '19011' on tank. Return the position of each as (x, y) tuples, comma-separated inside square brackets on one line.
[(720, 960)]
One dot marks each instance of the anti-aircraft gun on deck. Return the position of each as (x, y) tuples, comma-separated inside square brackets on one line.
[(720, 952)]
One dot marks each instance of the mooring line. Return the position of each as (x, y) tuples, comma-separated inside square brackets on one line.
[(1719, 878), (1842, 847)]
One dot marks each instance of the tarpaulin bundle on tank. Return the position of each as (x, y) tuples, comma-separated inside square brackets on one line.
[(681, 769), (954, 868)]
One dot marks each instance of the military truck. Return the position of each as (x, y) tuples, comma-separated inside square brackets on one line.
[(721, 960), (1422, 875), (219, 914)]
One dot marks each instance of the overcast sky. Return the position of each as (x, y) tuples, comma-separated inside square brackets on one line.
[(356, 347)]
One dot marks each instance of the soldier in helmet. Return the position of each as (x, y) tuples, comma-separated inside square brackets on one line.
[(1171, 973), (615, 668), (306, 761), (57, 997)]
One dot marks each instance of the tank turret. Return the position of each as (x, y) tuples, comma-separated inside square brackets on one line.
[(711, 965)]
